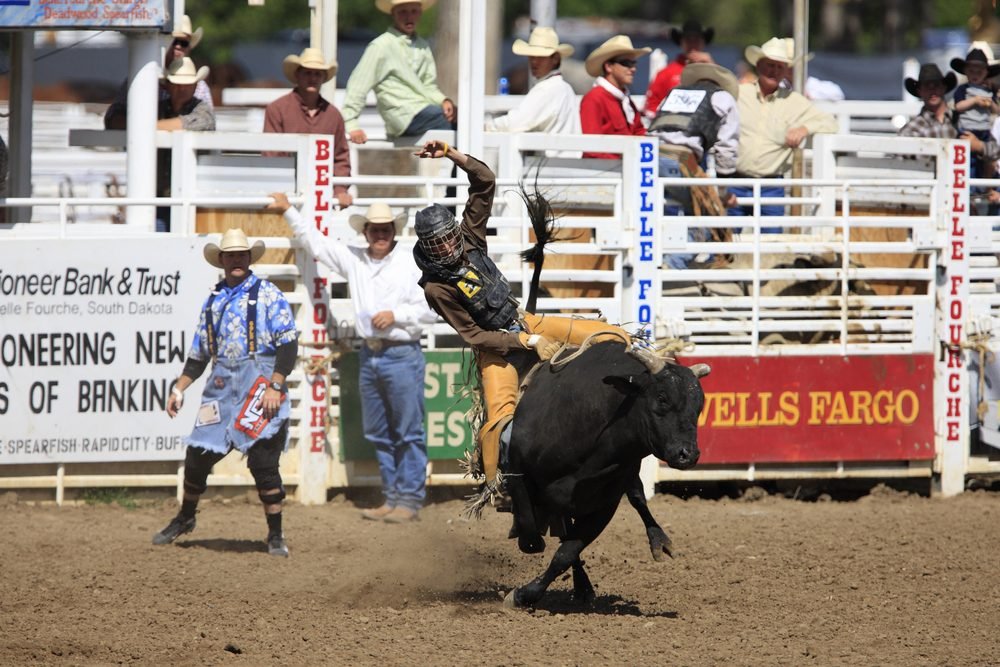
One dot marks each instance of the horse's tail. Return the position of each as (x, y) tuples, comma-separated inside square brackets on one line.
[(543, 222)]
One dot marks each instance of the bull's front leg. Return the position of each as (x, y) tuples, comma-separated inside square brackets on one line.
[(583, 590), (659, 542)]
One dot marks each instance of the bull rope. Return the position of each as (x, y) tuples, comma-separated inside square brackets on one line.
[(321, 366)]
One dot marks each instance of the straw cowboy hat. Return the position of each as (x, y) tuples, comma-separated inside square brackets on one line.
[(619, 45), (930, 74), (182, 71), (976, 56), (183, 31), (694, 72), (377, 214), (234, 240), (691, 28), (310, 59), (385, 6), (778, 49), (542, 42)]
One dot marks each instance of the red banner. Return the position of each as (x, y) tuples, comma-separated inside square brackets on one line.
[(817, 409)]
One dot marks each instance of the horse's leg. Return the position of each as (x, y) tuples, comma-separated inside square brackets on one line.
[(582, 532), (659, 543)]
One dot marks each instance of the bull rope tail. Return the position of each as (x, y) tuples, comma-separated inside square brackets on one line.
[(321, 366), (979, 342)]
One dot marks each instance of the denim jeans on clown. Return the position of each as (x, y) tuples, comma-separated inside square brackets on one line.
[(392, 411)]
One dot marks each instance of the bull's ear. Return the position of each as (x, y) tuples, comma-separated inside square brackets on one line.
[(626, 384)]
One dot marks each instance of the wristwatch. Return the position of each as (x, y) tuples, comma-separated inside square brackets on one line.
[(277, 386)]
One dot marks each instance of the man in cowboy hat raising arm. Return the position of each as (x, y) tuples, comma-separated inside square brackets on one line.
[(550, 106), (607, 108), (247, 333), (389, 316), (774, 121), (399, 66), (305, 111), (692, 39)]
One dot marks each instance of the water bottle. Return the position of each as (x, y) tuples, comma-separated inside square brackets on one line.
[(503, 86)]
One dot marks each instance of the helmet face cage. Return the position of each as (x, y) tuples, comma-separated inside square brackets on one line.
[(445, 246)]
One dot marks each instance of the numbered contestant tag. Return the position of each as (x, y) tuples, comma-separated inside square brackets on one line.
[(682, 101), (251, 419)]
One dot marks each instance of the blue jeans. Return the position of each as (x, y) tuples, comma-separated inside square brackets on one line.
[(392, 411), (768, 209), (431, 117)]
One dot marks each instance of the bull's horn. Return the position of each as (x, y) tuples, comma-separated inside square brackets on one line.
[(701, 370), (651, 361)]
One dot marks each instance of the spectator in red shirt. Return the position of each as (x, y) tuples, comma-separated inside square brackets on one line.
[(607, 108), (305, 111), (692, 40)]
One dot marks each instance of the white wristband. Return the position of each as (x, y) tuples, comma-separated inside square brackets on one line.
[(533, 340), (178, 394)]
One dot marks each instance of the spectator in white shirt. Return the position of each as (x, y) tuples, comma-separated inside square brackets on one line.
[(390, 312), (550, 106)]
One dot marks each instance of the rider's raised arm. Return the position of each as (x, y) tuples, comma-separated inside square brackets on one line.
[(482, 187)]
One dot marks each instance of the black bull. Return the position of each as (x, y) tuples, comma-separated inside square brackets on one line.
[(579, 435)]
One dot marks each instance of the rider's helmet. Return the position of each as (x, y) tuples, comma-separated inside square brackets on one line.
[(439, 235)]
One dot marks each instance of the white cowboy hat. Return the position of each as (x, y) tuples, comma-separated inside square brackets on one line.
[(694, 72), (542, 42), (778, 49), (234, 240), (377, 214), (385, 6), (183, 30), (182, 71), (310, 59), (619, 45)]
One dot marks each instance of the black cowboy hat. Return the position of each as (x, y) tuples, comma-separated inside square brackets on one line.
[(975, 56), (692, 28), (929, 74)]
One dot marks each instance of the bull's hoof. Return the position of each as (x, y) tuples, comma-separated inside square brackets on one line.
[(510, 600), (659, 544), (531, 544)]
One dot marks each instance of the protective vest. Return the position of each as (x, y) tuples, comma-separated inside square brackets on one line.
[(688, 109), (482, 288)]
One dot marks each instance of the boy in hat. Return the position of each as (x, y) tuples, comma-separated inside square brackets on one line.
[(975, 102), (247, 333), (692, 39), (305, 111), (390, 314), (607, 108), (550, 106), (399, 66)]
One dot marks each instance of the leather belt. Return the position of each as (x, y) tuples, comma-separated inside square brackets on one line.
[(376, 345)]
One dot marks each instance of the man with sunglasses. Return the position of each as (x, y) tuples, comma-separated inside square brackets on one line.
[(607, 108)]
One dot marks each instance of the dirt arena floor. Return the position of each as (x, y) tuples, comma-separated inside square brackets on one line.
[(889, 579)]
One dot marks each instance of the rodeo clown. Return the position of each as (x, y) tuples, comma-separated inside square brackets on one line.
[(248, 332), (470, 292)]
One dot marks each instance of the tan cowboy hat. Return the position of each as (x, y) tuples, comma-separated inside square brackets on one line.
[(182, 71), (542, 42), (234, 240), (694, 72), (778, 49), (310, 59), (183, 30), (385, 6), (377, 214), (619, 45)]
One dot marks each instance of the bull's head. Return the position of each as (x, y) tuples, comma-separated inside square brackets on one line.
[(666, 403)]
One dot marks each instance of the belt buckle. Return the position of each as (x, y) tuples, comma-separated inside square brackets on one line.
[(374, 344)]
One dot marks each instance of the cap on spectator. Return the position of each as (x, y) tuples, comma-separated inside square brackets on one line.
[(182, 71), (542, 42), (691, 28), (309, 59), (385, 6), (183, 31), (619, 45), (377, 214), (234, 240)]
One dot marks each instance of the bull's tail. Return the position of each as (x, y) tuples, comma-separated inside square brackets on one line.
[(543, 222)]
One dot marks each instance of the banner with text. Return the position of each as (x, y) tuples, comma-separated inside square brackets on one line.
[(817, 409), (84, 14), (93, 334)]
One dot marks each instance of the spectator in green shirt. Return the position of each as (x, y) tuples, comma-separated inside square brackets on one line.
[(399, 66)]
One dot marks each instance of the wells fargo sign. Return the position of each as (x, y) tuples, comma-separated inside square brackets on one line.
[(817, 409)]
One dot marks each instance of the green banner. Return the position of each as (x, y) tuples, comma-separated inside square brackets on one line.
[(445, 402)]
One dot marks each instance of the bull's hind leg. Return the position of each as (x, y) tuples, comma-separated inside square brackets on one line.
[(659, 542), (583, 590), (582, 532)]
